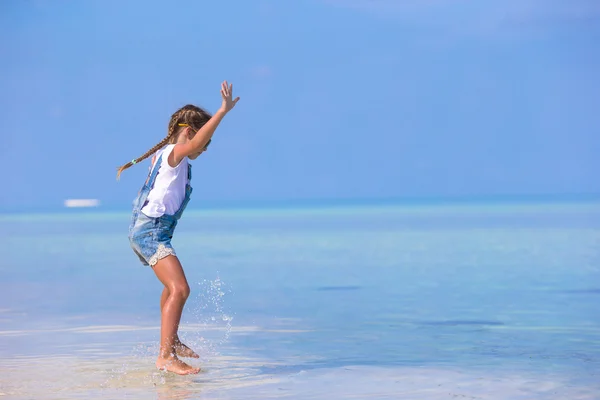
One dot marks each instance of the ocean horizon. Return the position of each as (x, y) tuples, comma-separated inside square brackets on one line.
[(316, 203)]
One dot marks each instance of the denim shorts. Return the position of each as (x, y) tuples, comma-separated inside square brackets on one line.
[(150, 238)]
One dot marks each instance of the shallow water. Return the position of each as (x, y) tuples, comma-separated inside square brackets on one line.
[(473, 302)]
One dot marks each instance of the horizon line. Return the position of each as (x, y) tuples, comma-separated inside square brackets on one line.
[(229, 205)]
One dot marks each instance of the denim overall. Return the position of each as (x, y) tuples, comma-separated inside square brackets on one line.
[(149, 237)]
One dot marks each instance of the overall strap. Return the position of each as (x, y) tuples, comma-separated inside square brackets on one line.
[(142, 199), (153, 173)]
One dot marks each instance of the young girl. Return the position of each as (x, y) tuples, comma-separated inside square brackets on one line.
[(156, 210)]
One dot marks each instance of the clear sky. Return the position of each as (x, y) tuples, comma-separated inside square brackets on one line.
[(340, 99)]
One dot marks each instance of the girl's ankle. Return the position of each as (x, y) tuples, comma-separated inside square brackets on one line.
[(164, 354)]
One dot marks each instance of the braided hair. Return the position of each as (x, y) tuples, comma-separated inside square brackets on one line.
[(188, 115)]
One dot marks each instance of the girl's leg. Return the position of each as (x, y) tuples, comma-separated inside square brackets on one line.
[(170, 273), (180, 349), (163, 298)]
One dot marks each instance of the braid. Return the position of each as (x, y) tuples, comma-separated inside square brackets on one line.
[(170, 133), (189, 114), (147, 154)]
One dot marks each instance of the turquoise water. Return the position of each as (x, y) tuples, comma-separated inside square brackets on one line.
[(475, 302)]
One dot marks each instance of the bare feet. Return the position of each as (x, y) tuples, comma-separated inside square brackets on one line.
[(175, 365), (183, 351)]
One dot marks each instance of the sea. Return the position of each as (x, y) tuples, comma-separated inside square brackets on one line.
[(389, 301)]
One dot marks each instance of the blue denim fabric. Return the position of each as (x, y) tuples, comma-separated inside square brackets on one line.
[(150, 238)]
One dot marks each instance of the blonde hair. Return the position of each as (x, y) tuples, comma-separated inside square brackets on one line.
[(188, 116)]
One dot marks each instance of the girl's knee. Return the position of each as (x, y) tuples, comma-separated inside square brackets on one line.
[(181, 290)]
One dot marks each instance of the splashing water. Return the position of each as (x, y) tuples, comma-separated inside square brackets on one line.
[(205, 327), (207, 312)]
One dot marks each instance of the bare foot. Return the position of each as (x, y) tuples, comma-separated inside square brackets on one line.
[(183, 351), (175, 365)]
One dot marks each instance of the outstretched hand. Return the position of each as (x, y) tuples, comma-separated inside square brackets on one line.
[(227, 95)]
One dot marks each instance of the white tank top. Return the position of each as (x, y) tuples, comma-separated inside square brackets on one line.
[(169, 187)]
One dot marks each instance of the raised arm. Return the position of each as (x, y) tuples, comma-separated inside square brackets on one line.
[(204, 134)]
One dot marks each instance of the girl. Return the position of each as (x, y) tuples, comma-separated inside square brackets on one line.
[(156, 210)]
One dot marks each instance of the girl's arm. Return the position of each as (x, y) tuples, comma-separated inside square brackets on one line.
[(204, 134), (197, 143)]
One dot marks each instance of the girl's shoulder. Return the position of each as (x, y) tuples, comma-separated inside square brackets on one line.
[(165, 152)]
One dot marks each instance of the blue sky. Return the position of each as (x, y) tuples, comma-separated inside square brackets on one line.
[(341, 99)]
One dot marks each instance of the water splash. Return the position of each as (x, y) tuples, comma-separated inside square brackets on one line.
[(208, 309), (205, 327)]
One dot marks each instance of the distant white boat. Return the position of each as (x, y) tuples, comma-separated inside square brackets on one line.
[(82, 203)]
